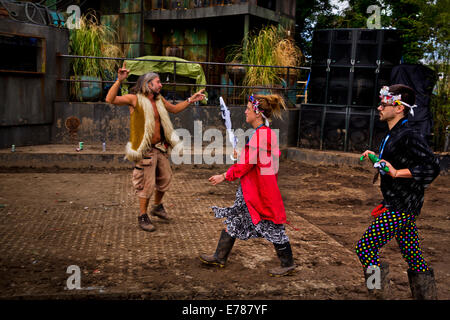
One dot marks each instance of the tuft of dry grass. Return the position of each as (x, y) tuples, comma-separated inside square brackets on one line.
[(287, 54), (97, 40), (269, 47)]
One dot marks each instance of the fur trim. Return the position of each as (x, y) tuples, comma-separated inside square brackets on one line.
[(130, 154), (149, 114)]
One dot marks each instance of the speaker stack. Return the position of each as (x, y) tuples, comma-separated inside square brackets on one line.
[(349, 66)]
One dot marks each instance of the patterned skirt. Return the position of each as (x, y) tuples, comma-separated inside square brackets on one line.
[(239, 223)]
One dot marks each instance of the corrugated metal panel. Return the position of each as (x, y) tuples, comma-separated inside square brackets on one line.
[(26, 98), (152, 41), (130, 26), (196, 37), (196, 43), (127, 6), (133, 51), (173, 37), (111, 21)]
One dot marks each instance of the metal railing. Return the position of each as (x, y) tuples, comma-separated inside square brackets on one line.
[(222, 89), (190, 4)]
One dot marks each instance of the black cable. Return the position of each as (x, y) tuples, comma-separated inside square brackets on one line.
[(36, 8), (12, 14)]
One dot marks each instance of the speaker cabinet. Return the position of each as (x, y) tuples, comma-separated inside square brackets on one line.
[(338, 83), (317, 85), (363, 92), (349, 66), (359, 129), (310, 124), (321, 48), (334, 132)]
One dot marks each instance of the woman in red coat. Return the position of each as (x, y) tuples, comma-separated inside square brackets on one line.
[(258, 210)]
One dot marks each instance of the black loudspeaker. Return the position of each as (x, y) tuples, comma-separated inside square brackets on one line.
[(359, 129), (349, 66), (422, 80), (334, 129), (317, 85), (310, 122), (321, 47), (351, 58)]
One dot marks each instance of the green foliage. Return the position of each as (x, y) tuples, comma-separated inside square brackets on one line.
[(93, 39), (311, 15), (440, 106), (423, 27), (269, 46)]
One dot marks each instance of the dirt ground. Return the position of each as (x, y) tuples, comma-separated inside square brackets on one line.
[(50, 220)]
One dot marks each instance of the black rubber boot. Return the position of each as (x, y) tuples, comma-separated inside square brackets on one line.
[(284, 253), (224, 247), (383, 292), (422, 284)]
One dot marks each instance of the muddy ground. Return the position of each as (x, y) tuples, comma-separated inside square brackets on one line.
[(50, 220)]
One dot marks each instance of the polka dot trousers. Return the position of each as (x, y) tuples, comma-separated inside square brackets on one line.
[(386, 226)]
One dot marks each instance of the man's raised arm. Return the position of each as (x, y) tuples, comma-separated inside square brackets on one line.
[(126, 100), (198, 96)]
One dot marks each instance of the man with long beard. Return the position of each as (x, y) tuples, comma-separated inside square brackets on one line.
[(151, 135)]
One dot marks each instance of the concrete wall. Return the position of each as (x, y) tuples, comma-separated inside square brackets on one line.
[(110, 123), (26, 98)]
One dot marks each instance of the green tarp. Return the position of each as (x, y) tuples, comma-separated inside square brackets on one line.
[(166, 65)]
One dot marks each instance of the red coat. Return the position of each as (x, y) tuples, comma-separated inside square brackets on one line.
[(257, 168)]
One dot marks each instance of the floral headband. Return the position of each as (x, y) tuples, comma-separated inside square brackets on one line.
[(255, 103), (395, 100)]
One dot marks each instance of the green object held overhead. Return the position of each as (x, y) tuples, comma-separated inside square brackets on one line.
[(166, 65)]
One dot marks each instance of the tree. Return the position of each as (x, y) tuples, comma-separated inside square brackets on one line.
[(423, 27), (311, 15)]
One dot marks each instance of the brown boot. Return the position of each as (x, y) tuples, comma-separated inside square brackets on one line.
[(159, 211), (145, 223), (422, 284), (224, 247), (284, 253), (383, 292)]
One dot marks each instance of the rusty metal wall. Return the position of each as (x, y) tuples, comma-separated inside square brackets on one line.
[(130, 26), (106, 122), (287, 7), (127, 6), (152, 40), (26, 99), (112, 21), (196, 44)]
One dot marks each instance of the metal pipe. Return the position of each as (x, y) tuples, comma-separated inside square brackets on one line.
[(174, 80), (188, 84), (287, 80), (192, 62)]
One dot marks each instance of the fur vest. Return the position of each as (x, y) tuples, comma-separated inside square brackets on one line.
[(142, 125)]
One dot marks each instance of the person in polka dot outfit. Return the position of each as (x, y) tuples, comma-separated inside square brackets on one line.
[(412, 167)]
